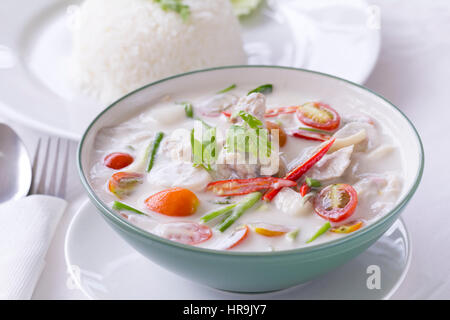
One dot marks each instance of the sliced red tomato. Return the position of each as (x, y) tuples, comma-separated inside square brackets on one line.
[(304, 189), (299, 171), (122, 183), (237, 237), (336, 202), (277, 111), (185, 232), (174, 202), (308, 135), (270, 230), (319, 115), (118, 160), (236, 187), (348, 228)]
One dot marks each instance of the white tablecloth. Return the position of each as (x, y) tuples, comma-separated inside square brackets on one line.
[(413, 72)]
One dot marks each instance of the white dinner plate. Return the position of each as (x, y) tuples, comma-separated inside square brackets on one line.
[(340, 37), (104, 266)]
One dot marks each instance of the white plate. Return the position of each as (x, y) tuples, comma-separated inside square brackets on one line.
[(104, 266), (332, 36)]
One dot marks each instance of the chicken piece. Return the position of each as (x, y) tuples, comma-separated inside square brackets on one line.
[(178, 146), (179, 174), (242, 165), (291, 202), (254, 103), (332, 165), (379, 190), (376, 185), (234, 165), (212, 107)]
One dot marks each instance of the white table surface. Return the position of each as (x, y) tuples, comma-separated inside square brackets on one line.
[(413, 72)]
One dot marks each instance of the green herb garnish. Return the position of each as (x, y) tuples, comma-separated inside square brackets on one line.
[(176, 6), (266, 88), (251, 120), (227, 89), (244, 7), (251, 139), (119, 206)]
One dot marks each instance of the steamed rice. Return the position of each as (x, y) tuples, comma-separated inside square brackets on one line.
[(121, 45)]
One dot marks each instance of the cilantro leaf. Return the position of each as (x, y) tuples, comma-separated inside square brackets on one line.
[(266, 88), (177, 6), (251, 120)]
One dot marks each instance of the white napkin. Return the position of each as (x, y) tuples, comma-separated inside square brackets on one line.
[(27, 226)]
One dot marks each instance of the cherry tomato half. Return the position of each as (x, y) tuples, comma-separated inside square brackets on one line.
[(122, 183), (318, 115), (118, 160), (175, 202), (336, 202), (184, 232)]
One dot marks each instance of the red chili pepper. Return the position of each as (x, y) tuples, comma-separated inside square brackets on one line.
[(283, 110), (308, 135), (226, 114), (299, 171), (304, 189), (236, 187)]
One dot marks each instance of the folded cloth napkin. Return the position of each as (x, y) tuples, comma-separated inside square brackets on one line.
[(27, 226)]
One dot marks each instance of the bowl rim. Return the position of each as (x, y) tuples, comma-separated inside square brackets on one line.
[(123, 223)]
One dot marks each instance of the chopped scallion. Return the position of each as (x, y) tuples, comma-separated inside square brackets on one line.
[(119, 206), (189, 109), (227, 89), (320, 232), (313, 183), (153, 149)]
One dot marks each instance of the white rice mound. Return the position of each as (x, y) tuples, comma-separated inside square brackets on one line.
[(121, 45)]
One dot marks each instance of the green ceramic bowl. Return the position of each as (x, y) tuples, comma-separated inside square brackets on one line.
[(257, 271)]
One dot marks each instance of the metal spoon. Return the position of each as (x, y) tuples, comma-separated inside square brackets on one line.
[(15, 166)]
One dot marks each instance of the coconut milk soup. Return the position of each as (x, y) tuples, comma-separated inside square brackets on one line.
[(248, 169)]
